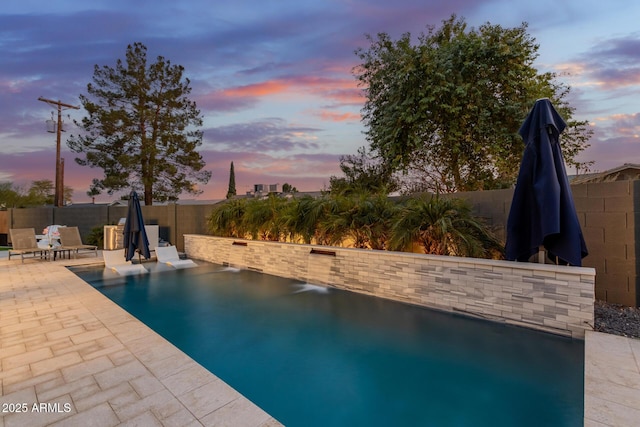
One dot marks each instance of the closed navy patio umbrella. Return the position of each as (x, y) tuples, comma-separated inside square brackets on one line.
[(542, 210), (135, 235)]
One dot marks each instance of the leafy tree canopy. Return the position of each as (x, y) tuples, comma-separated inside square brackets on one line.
[(10, 196), (141, 129), (448, 108), (40, 193)]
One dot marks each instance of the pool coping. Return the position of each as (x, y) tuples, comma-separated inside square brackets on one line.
[(70, 356), (63, 342)]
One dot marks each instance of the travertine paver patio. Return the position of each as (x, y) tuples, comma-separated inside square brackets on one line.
[(612, 380), (63, 344)]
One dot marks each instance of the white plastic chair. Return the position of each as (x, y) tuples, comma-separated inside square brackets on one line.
[(169, 255), (115, 261)]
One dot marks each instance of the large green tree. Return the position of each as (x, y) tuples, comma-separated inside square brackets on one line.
[(449, 107), (40, 192), (141, 128)]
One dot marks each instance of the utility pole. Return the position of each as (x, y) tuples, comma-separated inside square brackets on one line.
[(58, 198)]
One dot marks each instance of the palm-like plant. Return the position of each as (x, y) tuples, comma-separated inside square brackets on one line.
[(345, 217), (300, 217), (385, 211), (362, 218), (263, 218), (227, 219), (442, 226), (327, 209)]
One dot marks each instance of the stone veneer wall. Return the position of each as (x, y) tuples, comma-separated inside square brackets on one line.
[(551, 298)]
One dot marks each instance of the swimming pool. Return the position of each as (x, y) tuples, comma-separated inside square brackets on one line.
[(312, 356)]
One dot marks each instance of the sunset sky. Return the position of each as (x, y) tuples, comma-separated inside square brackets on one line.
[(273, 78)]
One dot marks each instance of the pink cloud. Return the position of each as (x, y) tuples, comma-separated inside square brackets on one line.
[(612, 63), (339, 117), (258, 89), (616, 140), (339, 91)]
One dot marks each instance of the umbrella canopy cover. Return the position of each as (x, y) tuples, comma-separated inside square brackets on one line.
[(542, 210), (135, 235)]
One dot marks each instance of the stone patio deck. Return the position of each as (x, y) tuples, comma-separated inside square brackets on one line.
[(612, 380), (65, 345)]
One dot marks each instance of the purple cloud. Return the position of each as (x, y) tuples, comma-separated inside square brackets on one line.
[(616, 140), (240, 58), (614, 62), (263, 136)]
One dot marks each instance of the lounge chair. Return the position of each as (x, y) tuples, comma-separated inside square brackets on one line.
[(70, 240), (23, 241), (169, 255), (114, 260)]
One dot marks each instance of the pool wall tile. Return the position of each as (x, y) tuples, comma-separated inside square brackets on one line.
[(551, 298)]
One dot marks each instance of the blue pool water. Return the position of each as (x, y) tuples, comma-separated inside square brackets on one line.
[(312, 356)]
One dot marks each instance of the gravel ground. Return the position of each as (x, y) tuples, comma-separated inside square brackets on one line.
[(617, 319)]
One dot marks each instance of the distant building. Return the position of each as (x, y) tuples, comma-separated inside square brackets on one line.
[(260, 190), (626, 172), (263, 190)]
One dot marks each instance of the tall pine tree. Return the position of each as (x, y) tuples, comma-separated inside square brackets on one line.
[(142, 129), (232, 183)]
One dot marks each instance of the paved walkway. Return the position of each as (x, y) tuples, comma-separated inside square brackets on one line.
[(71, 357), (612, 380)]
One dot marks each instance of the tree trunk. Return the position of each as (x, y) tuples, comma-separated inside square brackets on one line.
[(148, 195)]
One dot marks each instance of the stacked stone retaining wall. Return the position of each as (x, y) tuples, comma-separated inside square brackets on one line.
[(551, 298)]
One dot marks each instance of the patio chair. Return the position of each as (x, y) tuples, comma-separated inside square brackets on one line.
[(70, 240), (114, 260), (23, 241), (169, 255)]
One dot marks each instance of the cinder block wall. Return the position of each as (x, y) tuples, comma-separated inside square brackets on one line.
[(551, 298), (37, 218), (85, 218), (608, 213), (492, 206), (191, 219)]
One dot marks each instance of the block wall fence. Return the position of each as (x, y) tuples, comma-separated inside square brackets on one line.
[(173, 220), (551, 298), (608, 213)]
